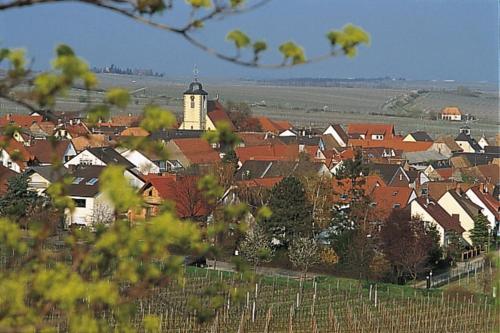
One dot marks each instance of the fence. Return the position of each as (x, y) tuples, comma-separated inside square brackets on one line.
[(457, 273)]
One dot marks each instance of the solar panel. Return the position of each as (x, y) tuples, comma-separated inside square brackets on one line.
[(77, 180), (91, 181)]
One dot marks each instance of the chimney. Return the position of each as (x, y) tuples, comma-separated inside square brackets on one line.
[(481, 188)]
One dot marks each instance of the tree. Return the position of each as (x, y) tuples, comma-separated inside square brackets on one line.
[(19, 202), (408, 243), (481, 232), (231, 159), (256, 247), (292, 214), (102, 214), (304, 253), (454, 247)]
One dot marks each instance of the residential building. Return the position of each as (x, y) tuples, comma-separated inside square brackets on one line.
[(452, 113)]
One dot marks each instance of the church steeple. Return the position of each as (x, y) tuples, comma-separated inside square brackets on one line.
[(195, 105)]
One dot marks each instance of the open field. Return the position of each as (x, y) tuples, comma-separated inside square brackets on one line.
[(308, 106)]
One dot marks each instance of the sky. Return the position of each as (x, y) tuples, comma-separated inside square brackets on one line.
[(414, 39)]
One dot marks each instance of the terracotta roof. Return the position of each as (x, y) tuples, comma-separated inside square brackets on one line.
[(434, 209), (451, 111), (46, 151), (395, 143), (20, 120), (183, 191), (344, 186), (253, 138), (5, 175), (486, 173), (445, 173), (269, 152), (128, 121), (88, 141), (197, 151), (269, 125), (369, 129), (217, 114), (14, 147), (388, 198), (77, 130), (134, 131)]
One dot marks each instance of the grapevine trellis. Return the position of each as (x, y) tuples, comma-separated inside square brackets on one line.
[(279, 305)]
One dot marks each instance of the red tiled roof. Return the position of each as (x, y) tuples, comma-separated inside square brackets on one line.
[(197, 151), (273, 126), (217, 114), (77, 130), (389, 198), (20, 120), (269, 152), (49, 152), (14, 147), (451, 111), (445, 173), (134, 131), (183, 191), (396, 143), (369, 129), (127, 121)]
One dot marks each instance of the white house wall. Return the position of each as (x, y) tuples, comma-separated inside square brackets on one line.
[(85, 156)]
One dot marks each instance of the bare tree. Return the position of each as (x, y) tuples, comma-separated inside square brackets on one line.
[(102, 213), (304, 253), (256, 248), (408, 244)]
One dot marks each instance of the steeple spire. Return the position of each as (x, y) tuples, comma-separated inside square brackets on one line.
[(195, 73)]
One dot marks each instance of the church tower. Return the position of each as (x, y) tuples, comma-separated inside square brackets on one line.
[(195, 107)]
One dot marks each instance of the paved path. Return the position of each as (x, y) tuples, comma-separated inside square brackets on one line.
[(271, 271)]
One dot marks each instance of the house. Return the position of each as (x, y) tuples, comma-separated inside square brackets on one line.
[(103, 156), (466, 142), (255, 169), (338, 134), (192, 151), (376, 132), (181, 190), (422, 159), (446, 146), (452, 113), (274, 152), (388, 198), (90, 141), (417, 136), (91, 205), (304, 141), (456, 202), (391, 174), (483, 143), (430, 211), (21, 120), (216, 114), (143, 163), (40, 177), (490, 206), (99, 156), (5, 175), (14, 155), (48, 152), (128, 120), (273, 126)]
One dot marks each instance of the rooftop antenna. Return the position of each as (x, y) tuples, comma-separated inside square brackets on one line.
[(195, 73)]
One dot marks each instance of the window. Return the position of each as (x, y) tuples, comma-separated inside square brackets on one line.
[(9, 164), (85, 162), (77, 180), (81, 203), (343, 197), (396, 205), (91, 181), (192, 102)]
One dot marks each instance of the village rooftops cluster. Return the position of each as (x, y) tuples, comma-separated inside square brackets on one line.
[(445, 181)]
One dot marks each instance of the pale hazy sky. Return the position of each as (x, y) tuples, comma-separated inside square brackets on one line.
[(416, 39)]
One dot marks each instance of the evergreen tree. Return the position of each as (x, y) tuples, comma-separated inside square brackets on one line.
[(292, 213), (231, 158), (18, 201), (480, 233)]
